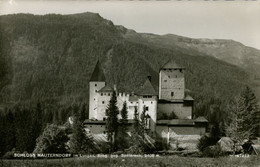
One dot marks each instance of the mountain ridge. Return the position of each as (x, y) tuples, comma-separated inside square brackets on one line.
[(53, 56)]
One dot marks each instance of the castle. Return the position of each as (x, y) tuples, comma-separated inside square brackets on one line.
[(171, 100)]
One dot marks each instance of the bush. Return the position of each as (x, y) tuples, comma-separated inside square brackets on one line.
[(204, 142), (52, 140), (211, 151)]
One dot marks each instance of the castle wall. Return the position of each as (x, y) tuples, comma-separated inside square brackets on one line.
[(96, 128), (93, 98), (185, 137), (151, 103), (181, 111), (172, 84)]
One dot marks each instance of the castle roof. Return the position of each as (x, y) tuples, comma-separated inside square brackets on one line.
[(188, 98), (133, 98), (98, 74), (147, 89), (171, 64), (105, 89), (201, 119), (187, 122)]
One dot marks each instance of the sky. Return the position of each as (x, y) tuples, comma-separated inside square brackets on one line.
[(237, 20)]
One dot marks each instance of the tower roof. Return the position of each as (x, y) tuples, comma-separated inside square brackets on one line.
[(171, 64), (105, 89), (98, 74), (147, 89)]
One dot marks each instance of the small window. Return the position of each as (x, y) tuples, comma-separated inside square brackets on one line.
[(104, 132), (104, 118), (94, 99), (151, 102), (103, 102), (180, 70), (95, 90), (95, 84), (146, 108), (169, 76), (172, 94), (108, 94), (131, 102), (165, 80), (101, 94)]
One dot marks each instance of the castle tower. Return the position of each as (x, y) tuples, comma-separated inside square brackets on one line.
[(171, 82), (97, 81), (148, 100)]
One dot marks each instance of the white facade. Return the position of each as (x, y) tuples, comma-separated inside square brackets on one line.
[(94, 87)]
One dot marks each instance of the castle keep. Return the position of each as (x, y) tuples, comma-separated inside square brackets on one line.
[(170, 101)]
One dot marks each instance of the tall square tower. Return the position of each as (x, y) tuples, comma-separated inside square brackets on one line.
[(171, 82)]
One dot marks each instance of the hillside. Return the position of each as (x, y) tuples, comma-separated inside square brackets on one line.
[(53, 56)]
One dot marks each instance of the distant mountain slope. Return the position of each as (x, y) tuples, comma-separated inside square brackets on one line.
[(53, 56)]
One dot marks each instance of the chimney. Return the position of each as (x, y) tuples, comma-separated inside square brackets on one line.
[(150, 78)]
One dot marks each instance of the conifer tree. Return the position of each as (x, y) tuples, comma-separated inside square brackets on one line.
[(249, 113), (112, 121), (80, 142), (245, 118), (122, 130), (83, 112)]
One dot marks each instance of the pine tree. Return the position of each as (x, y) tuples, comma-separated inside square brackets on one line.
[(83, 113), (112, 121), (245, 118), (122, 131), (10, 131), (80, 142), (249, 114)]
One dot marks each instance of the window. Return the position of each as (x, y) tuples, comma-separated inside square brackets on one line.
[(131, 102), (180, 70), (95, 84), (108, 94), (169, 76), (95, 90), (101, 94), (172, 94), (104, 118), (94, 99), (151, 102), (146, 108), (165, 80), (103, 102)]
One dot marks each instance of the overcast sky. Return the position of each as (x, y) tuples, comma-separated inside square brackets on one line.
[(237, 20)]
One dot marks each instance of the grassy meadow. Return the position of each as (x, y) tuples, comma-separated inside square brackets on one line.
[(163, 161)]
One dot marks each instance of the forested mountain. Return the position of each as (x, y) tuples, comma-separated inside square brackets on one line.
[(53, 56)]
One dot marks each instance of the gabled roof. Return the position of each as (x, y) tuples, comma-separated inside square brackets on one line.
[(133, 98), (147, 89), (201, 119), (98, 74), (187, 122), (105, 89), (188, 98), (171, 65)]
